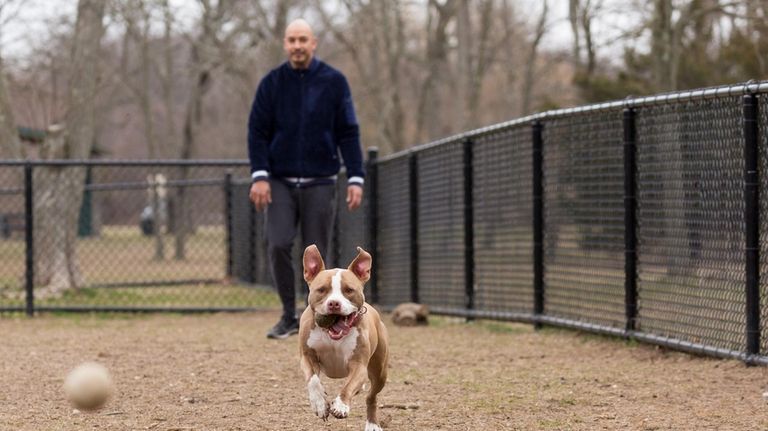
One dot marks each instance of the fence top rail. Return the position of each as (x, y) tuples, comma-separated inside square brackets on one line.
[(750, 87), (129, 163)]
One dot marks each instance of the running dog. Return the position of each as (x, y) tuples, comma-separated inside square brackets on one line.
[(341, 336)]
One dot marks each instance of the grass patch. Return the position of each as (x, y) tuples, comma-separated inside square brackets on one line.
[(493, 326), (121, 254), (215, 295), (505, 327)]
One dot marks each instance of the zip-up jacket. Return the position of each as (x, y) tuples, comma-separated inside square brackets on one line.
[(299, 121)]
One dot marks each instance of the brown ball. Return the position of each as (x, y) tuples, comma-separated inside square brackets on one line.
[(325, 320)]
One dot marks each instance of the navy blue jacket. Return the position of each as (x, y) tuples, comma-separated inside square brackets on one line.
[(299, 121)]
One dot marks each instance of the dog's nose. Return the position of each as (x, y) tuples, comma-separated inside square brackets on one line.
[(334, 305)]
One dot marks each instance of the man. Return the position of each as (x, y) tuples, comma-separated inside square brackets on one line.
[(301, 117)]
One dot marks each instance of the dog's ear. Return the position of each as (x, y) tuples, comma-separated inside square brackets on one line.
[(313, 263), (361, 266)]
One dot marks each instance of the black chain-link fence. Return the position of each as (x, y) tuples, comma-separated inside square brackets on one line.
[(122, 236), (584, 217), (691, 230), (647, 215), (644, 218)]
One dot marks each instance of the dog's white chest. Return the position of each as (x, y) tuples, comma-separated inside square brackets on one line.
[(333, 355)]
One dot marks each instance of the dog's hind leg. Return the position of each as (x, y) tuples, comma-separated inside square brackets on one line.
[(377, 374)]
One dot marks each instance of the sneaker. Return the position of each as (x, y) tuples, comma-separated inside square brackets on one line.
[(283, 329)]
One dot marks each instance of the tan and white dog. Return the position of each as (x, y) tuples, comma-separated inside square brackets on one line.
[(354, 347)]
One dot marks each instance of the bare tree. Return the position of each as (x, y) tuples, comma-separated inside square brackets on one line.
[(672, 27), (533, 54), (374, 39), (59, 190), (227, 31), (474, 56), (510, 63), (137, 17), (10, 146), (581, 15), (274, 21), (439, 16), (166, 72)]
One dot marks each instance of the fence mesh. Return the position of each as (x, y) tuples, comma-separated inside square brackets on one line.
[(394, 229), (130, 237), (441, 226), (691, 222), (763, 170), (12, 228), (584, 217), (351, 229), (249, 247), (503, 220), (156, 235), (351, 226)]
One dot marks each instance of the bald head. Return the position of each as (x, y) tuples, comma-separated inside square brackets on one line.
[(299, 43), (299, 25)]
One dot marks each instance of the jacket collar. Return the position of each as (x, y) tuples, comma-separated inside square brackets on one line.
[(313, 65)]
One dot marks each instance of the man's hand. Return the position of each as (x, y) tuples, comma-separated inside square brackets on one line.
[(261, 194), (354, 197)]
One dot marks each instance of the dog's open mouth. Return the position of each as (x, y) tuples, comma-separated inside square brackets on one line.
[(341, 327)]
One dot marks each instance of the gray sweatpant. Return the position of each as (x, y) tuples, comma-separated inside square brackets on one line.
[(312, 209)]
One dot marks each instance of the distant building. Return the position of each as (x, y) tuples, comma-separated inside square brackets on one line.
[(32, 139)]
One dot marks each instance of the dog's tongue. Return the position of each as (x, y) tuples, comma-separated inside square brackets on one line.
[(342, 326)]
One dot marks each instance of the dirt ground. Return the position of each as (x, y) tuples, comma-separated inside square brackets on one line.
[(219, 372)]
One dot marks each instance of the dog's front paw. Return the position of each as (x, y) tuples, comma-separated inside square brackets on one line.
[(339, 410), (372, 426), (317, 397)]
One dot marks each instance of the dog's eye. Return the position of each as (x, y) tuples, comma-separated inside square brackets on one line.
[(321, 290), (349, 290)]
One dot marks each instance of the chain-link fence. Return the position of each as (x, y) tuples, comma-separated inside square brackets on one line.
[(638, 218), (643, 218), (120, 236), (175, 235)]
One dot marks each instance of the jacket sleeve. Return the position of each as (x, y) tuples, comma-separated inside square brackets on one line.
[(261, 126), (348, 135)]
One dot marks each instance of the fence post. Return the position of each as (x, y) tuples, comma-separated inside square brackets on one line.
[(752, 220), (413, 181), (373, 208), (469, 232), (30, 239), (228, 220), (630, 219), (538, 223), (253, 277)]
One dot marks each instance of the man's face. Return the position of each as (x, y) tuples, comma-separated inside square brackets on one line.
[(299, 44)]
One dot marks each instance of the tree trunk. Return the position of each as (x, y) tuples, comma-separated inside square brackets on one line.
[(530, 65), (59, 190), (427, 112), (57, 201), (661, 44), (573, 19), (480, 63), (464, 68), (10, 145), (511, 71), (394, 40), (167, 80), (182, 222)]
